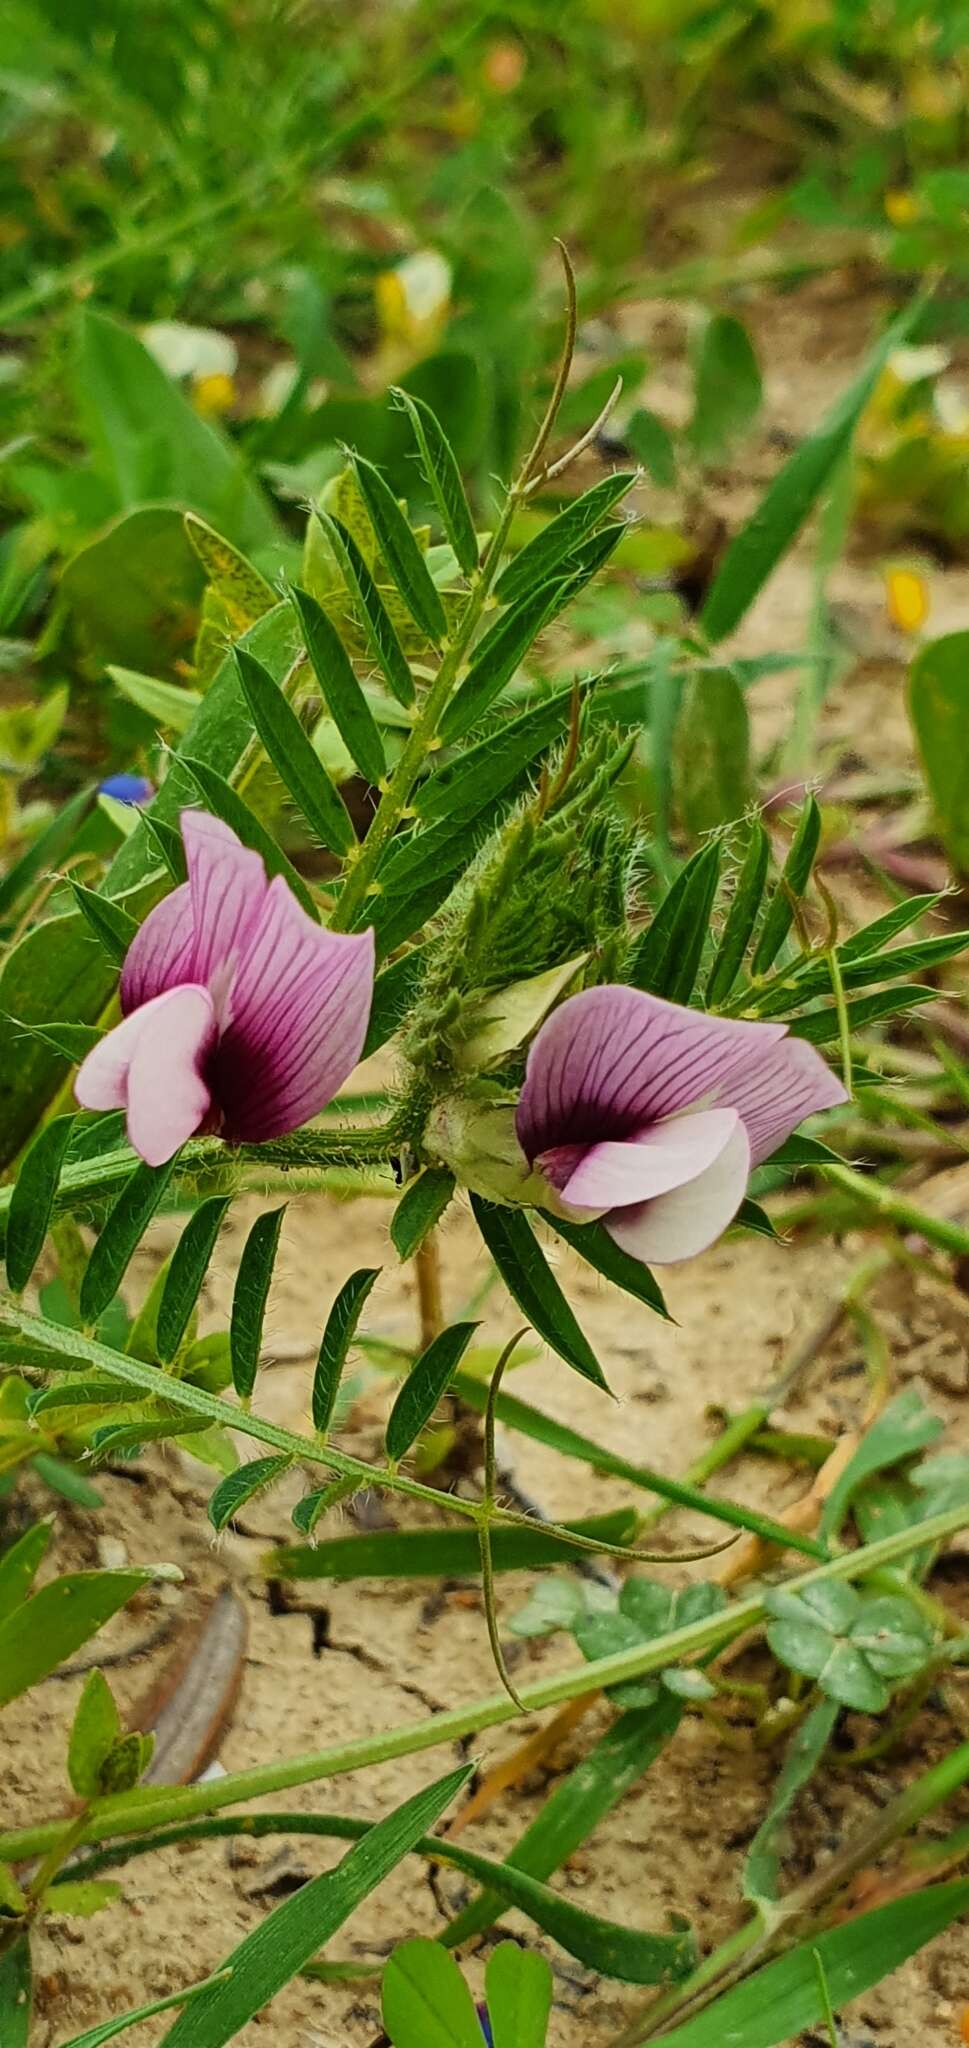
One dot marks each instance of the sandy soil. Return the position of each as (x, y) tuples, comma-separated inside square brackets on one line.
[(398, 1652)]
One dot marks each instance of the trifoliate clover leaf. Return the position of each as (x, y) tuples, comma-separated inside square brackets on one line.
[(855, 1648), (646, 1611)]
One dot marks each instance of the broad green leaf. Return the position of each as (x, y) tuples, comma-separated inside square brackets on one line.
[(46, 851), (424, 1387), (728, 389), (439, 1553), (151, 443), (132, 591), (595, 1245), (245, 594), (497, 656), (378, 626), (112, 926), (756, 550), (666, 959), (711, 753), (241, 1486), (338, 1336), (938, 696), (577, 1804), (94, 1732), (124, 1227), (286, 1939), (219, 797), (804, 1753), (519, 1997), (32, 1199), (49, 1627), (400, 552), (741, 917), (16, 2000), (187, 1268), (532, 1284), (903, 1428), (343, 696), (250, 1296), (793, 882), (167, 703), (425, 2002), (19, 1564), (294, 757), (777, 2003), (440, 468), (421, 1205), (551, 548)]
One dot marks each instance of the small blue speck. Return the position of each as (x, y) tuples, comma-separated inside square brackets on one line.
[(486, 2025), (128, 789)]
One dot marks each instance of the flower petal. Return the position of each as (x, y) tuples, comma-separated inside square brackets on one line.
[(299, 1008), (613, 1060), (688, 1219), (775, 1090), (160, 955), (617, 1174), (228, 886), (152, 1065)]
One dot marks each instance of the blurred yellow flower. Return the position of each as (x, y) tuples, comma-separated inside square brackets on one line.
[(907, 598), (902, 208), (214, 395)]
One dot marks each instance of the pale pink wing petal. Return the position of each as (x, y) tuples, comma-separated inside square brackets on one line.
[(688, 1219), (228, 889), (162, 952), (613, 1059), (102, 1078), (151, 1065), (168, 1097), (777, 1089), (615, 1174), (299, 1011)]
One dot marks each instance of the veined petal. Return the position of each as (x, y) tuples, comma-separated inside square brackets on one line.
[(776, 1089), (228, 891), (618, 1173), (161, 954), (152, 1065), (300, 1005), (679, 1224)]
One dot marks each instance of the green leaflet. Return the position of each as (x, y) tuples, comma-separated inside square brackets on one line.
[(169, 704), (294, 757), (249, 1299), (32, 1199), (794, 880), (421, 1205), (338, 1336), (47, 1628), (400, 552), (666, 959), (552, 547), (378, 626), (440, 468), (532, 1284), (595, 1245), (241, 1486), (16, 1999), (113, 928), (289, 1936), (939, 708), (498, 655), (186, 1271), (125, 1226), (344, 698), (19, 1565), (741, 917), (424, 1386)]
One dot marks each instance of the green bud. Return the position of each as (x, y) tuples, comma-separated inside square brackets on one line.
[(474, 1135), (506, 1019)]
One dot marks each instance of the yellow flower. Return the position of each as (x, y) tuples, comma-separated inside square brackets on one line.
[(214, 395), (907, 598)]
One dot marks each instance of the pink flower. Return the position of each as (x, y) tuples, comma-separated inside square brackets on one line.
[(242, 1016), (651, 1116)]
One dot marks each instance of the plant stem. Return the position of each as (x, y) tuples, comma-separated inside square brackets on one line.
[(130, 1813), (896, 1210)]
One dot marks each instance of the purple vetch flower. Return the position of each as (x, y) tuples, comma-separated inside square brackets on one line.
[(651, 1116), (241, 1016), (128, 789)]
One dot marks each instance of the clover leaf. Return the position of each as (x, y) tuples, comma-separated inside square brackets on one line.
[(857, 1647), (646, 1611)]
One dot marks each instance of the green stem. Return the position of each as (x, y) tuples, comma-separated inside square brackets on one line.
[(896, 1210), (130, 1813)]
